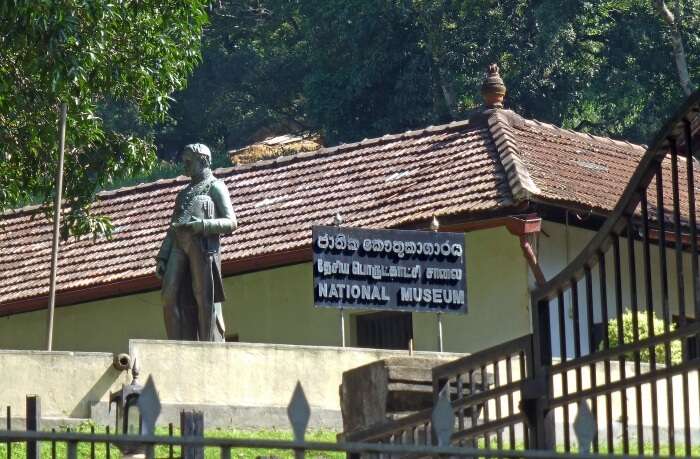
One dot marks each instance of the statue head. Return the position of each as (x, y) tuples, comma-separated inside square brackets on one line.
[(196, 157)]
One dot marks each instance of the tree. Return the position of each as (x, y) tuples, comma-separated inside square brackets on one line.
[(352, 69), (88, 54), (679, 57), (249, 81)]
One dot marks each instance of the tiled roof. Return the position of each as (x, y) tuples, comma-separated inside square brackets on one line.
[(462, 168), (377, 183), (570, 167)]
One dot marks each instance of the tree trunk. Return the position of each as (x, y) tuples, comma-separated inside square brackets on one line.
[(677, 44), (448, 92)]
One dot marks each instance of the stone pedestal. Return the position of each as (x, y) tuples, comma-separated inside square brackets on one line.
[(386, 389)]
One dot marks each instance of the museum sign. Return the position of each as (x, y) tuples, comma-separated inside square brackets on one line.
[(417, 271)]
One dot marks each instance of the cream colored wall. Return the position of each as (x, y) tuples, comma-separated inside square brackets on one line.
[(77, 384), (552, 258), (250, 374), (271, 306), (497, 297), (268, 312), (276, 306), (68, 383), (103, 326)]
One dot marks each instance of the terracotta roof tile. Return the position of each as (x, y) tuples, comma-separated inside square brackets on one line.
[(382, 182), (454, 169)]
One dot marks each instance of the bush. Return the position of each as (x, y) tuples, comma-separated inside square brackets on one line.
[(643, 329)]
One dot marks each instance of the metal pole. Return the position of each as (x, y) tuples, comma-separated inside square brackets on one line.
[(342, 327), (435, 227), (56, 225), (337, 221)]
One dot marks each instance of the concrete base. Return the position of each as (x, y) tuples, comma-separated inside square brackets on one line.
[(243, 385), (249, 385), (47, 423), (232, 417)]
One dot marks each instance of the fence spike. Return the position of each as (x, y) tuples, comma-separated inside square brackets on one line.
[(149, 407), (443, 418), (584, 427), (299, 412)]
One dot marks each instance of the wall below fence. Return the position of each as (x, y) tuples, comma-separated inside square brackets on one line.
[(250, 385), (235, 384), (67, 382), (243, 385)]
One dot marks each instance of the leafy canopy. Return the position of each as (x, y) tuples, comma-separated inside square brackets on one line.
[(354, 68), (88, 54)]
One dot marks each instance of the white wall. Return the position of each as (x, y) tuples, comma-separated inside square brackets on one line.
[(552, 257)]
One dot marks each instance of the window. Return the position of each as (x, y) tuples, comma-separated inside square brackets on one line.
[(384, 330)]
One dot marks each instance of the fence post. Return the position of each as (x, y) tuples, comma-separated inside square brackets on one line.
[(9, 427), (192, 425), (542, 426), (33, 424)]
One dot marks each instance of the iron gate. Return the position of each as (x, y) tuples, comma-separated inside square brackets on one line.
[(613, 363), (622, 316)]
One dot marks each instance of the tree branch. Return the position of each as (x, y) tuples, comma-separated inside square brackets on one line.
[(677, 44)]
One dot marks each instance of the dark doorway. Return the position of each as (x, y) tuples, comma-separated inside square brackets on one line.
[(385, 330)]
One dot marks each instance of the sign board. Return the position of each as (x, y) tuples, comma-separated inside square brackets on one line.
[(395, 270)]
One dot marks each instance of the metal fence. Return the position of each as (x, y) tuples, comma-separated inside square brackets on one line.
[(227, 447), (444, 437), (630, 302)]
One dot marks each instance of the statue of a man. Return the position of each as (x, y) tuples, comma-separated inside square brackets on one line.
[(189, 260)]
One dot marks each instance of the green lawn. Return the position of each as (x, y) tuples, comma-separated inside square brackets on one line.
[(84, 450), (19, 452)]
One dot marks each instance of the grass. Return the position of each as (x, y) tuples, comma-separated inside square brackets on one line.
[(84, 449), (18, 450)]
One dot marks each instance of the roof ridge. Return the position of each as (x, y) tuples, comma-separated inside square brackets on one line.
[(521, 184), (142, 185)]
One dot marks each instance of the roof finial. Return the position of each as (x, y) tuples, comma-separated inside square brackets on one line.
[(492, 89)]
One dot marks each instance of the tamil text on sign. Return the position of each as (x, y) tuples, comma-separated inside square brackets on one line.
[(357, 268)]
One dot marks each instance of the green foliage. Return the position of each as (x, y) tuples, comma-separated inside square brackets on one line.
[(628, 327), (352, 68), (87, 54), (347, 69)]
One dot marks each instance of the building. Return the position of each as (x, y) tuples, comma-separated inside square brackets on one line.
[(492, 177)]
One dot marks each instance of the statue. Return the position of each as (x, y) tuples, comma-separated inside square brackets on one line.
[(189, 260)]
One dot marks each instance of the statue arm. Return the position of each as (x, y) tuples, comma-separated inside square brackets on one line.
[(165, 246), (226, 219)]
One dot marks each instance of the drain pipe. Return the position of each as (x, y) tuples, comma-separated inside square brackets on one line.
[(523, 226), (532, 260)]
